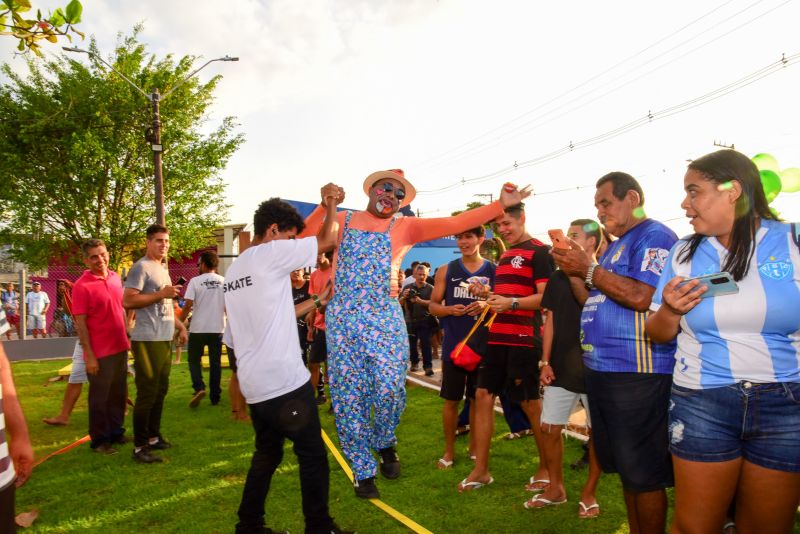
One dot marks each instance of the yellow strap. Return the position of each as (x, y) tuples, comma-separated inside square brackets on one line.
[(408, 522), (472, 331)]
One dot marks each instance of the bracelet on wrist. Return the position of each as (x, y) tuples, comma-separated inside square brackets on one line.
[(317, 303)]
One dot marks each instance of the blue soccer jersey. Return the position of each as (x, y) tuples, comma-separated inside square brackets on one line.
[(752, 335), (612, 336)]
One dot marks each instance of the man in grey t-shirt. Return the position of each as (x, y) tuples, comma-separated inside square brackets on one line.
[(149, 291)]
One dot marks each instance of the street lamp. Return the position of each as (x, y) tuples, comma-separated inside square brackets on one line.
[(155, 138)]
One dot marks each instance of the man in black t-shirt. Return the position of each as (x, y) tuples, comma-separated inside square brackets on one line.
[(562, 373), (300, 294), (416, 298)]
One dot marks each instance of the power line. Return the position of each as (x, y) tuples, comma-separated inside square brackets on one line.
[(637, 123), (542, 120), (424, 163)]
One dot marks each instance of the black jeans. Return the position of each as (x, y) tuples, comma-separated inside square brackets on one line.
[(7, 513), (293, 416), (107, 394), (197, 342), (152, 362), (421, 331)]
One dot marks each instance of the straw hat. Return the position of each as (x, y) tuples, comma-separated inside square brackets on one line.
[(394, 174)]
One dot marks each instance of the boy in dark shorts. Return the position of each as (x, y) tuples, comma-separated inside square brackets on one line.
[(457, 309), (515, 341)]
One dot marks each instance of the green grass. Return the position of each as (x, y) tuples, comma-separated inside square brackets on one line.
[(198, 487)]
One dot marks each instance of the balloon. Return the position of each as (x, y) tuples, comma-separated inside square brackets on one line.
[(771, 183), (766, 162), (790, 180)]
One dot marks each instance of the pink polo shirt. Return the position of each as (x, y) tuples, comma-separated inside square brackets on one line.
[(100, 301)]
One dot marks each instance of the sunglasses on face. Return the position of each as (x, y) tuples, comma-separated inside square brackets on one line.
[(399, 194)]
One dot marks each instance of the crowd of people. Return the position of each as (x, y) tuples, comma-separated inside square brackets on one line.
[(685, 353)]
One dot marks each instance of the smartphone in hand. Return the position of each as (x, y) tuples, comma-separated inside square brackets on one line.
[(558, 238), (718, 284), (181, 281)]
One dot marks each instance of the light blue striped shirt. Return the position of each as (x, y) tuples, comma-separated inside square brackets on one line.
[(753, 335)]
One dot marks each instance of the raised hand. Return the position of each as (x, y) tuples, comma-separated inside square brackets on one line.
[(510, 195)]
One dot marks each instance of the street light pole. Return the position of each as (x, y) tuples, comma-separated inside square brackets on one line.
[(155, 137)]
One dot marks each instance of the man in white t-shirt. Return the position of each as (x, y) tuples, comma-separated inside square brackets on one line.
[(272, 377), (38, 303), (205, 300)]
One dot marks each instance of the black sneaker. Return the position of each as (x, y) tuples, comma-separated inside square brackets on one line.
[(105, 449), (144, 456), (337, 530), (160, 445), (429, 372), (198, 396), (366, 489), (122, 439), (390, 463), (414, 368)]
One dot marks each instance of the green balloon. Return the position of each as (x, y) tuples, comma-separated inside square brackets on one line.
[(766, 162), (790, 180), (771, 183)]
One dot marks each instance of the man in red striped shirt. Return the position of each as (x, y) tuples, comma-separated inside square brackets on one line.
[(511, 364)]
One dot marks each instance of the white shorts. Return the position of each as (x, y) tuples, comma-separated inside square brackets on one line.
[(559, 404), (78, 373), (37, 322)]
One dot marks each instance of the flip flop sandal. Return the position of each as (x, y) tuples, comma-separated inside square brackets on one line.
[(444, 464), (586, 512), (532, 485), (472, 486), (540, 502), (516, 435)]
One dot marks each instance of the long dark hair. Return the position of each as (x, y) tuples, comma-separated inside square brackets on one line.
[(722, 167)]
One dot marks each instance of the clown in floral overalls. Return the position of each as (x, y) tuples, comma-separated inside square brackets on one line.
[(366, 332)]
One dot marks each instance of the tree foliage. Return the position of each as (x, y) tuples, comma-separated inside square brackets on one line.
[(17, 22), (75, 162)]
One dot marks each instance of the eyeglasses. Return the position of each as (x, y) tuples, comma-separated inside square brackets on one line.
[(399, 194)]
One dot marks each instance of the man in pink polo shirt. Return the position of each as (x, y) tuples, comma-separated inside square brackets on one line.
[(101, 325)]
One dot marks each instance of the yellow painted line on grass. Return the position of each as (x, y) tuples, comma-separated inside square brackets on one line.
[(408, 522)]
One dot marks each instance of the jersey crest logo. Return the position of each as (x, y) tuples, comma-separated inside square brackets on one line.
[(654, 260), (617, 254), (776, 270), (516, 262)]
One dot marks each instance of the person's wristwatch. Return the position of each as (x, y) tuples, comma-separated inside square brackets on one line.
[(514, 304), (543, 363), (590, 275)]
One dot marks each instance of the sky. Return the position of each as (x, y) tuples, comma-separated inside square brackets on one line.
[(452, 90)]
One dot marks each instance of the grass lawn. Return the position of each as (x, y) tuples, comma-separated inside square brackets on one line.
[(198, 487)]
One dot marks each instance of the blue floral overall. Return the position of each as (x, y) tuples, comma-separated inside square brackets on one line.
[(367, 348)]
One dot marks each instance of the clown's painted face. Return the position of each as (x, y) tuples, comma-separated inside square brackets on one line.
[(385, 196)]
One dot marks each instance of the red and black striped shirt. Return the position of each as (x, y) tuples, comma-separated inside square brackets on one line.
[(521, 267)]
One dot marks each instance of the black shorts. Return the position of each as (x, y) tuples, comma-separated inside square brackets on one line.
[(456, 381), (231, 358), (504, 365), (318, 352), (629, 414)]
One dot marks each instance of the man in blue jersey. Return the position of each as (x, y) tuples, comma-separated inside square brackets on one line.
[(628, 377), (452, 302)]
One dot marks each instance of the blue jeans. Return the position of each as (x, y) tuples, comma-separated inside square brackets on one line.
[(757, 422)]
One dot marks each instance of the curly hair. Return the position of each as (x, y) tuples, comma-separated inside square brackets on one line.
[(276, 211)]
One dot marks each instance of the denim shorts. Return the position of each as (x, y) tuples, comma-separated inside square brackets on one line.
[(757, 422)]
